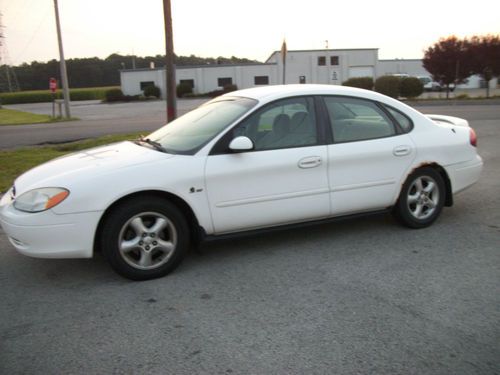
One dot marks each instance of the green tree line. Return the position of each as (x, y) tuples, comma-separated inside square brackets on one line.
[(96, 72)]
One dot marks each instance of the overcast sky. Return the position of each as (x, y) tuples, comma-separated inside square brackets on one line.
[(251, 28)]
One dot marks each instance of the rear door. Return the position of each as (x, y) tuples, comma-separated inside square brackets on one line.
[(369, 155)]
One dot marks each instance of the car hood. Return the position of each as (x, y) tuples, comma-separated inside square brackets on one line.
[(91, 162)]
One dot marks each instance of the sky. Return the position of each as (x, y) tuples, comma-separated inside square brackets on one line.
[(251, 28)]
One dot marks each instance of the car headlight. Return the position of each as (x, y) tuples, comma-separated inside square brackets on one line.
[(42, 199)]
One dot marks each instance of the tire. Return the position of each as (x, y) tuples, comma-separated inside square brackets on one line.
[(421, 199), (145, 238)]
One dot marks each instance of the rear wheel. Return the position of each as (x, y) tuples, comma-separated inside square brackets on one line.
[(422, 198), (145, 238)]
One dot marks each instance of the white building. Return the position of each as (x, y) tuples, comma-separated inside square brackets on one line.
[(332, 66), (329, 66), (202, 78)]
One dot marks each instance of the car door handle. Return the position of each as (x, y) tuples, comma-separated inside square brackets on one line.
[(401, 150), (309, 162)]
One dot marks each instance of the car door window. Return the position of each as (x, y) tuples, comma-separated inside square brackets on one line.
[(354, 119), (281, 124)]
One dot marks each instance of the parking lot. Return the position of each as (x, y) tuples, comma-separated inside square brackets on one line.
[(363, 296)]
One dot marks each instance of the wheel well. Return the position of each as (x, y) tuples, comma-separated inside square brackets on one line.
[(448, 202), (194, 228)]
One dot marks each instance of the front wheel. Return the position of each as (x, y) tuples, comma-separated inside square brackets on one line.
[(145, 238), (422, 198)]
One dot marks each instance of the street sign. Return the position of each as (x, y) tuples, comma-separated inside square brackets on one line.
[(53, 85)]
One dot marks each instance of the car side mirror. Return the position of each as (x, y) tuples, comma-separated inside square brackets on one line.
[(241, 144)]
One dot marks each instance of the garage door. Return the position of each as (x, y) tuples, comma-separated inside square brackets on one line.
[(361, 71)]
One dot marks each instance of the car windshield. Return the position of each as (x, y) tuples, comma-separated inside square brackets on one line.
[(189, 133)]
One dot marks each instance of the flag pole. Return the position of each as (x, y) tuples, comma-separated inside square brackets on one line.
[(283, 58)]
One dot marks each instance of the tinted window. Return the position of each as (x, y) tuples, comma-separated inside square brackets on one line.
[(261, 80), (189, 82), (222, 82), (190, 132), (282, 124), (403, 121), (357, 119), (146, 84)]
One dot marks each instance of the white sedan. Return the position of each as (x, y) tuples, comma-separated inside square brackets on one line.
[(249, 160)]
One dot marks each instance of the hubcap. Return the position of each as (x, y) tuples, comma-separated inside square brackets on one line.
[(423, 197), (147, 240)]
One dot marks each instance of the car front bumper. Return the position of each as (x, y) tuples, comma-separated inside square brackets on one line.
[(47, 234)]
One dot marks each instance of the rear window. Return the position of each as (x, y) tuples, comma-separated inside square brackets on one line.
[(403, 121)]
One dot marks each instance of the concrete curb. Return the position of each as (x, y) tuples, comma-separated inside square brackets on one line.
[(451, 102)]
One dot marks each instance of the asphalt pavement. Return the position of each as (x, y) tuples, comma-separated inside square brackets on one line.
[(95, 119), (363, 296)]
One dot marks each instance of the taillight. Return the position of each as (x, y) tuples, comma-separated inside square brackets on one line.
[(472, 137)]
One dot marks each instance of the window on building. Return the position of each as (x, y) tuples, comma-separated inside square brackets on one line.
[(261, 80), (334, 60), (321, 60), (189, 82), (222, 82), (146, 84)]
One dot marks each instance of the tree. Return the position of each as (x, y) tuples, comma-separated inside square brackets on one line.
[(484, 54), (447, 61)]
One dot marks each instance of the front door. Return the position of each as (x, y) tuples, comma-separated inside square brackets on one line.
[(283, 180)]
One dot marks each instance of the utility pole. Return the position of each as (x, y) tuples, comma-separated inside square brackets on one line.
[(283, 59), (169, 65), (64, 75)]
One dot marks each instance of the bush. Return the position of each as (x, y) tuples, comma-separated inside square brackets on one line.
[(388, 85), (114, 95), (411, 87), (215, 93), (360, 82), (42, 96), (152, 91), (225, 90), (229, 88), (183, 89)]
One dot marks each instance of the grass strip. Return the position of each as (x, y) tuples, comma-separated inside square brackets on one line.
[(13, 117)]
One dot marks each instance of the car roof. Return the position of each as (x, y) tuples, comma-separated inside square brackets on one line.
[(269, 93)]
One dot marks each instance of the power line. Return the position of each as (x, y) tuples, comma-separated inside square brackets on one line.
[(20, 54)]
